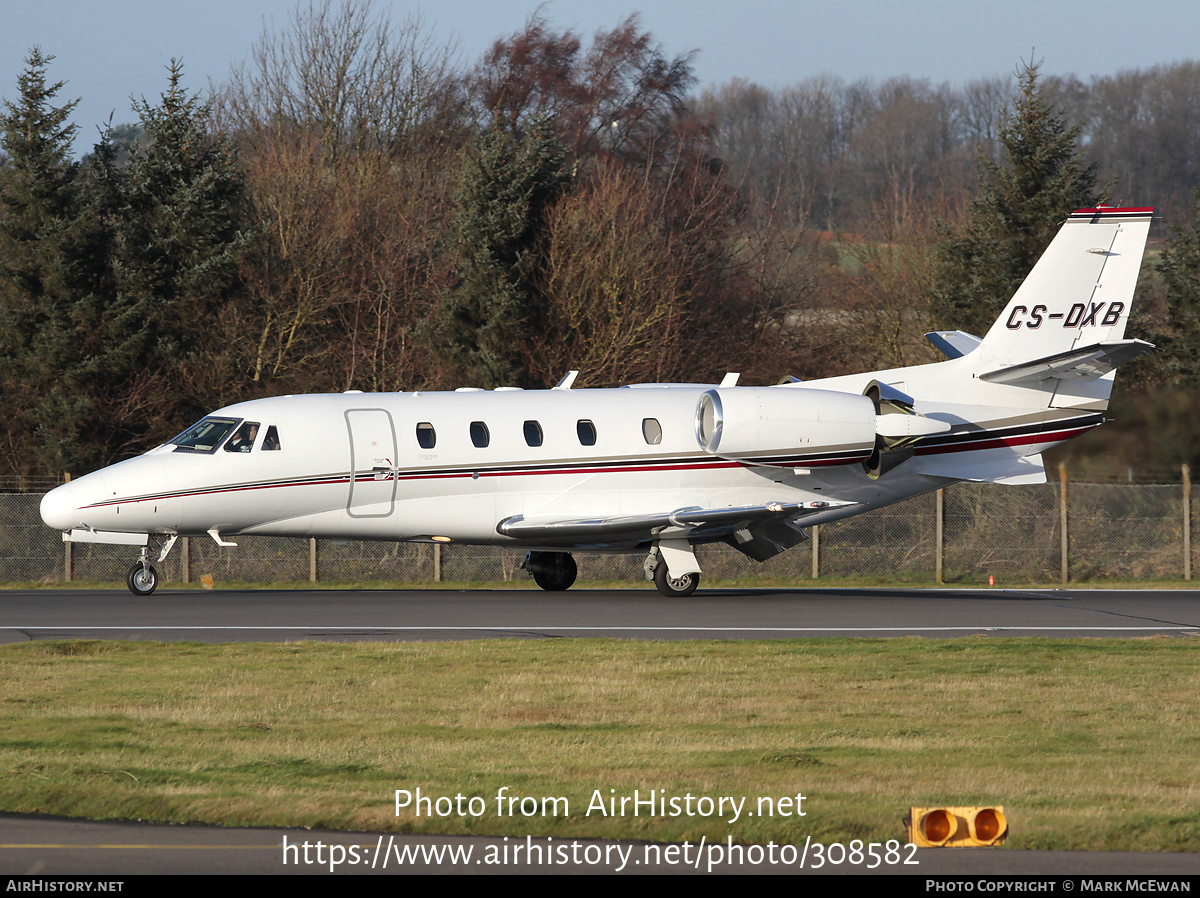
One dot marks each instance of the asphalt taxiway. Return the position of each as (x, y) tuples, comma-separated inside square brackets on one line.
[(34, 846)]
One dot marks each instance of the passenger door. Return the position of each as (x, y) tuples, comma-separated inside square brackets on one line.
[(372, 437)]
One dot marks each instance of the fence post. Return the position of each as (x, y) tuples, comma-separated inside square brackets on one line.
[(940, 532), (1062, 520), (815, 532), (1187, 523), (437, 562), (313, 559), (68, 548), (185, 559)]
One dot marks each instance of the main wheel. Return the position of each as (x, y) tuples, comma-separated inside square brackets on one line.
[(676, 587), (553, 571), (142, 579)]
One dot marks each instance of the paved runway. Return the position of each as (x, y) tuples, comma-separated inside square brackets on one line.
[(41, 846), (352, 615)]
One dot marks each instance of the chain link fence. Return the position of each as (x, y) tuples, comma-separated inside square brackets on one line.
[(966, 534)]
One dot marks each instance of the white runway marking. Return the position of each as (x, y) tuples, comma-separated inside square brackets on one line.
[(486, 628)]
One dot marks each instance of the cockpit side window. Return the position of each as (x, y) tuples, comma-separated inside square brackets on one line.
[(205, 435), (243, 438), (271, 440)]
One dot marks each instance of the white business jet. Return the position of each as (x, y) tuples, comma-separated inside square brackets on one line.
[(654, 467)]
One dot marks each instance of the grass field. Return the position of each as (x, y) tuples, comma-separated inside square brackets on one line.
[(1089, 744)]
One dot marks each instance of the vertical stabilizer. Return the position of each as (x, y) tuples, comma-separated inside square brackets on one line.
[(1062, 333), (1078, 294)]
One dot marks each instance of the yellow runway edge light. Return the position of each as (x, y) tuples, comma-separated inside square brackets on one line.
[(956, 827)]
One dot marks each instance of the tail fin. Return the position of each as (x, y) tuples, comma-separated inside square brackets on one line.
[(1063, 329)]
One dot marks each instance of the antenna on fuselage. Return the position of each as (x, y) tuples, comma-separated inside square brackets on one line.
[(565, 383)]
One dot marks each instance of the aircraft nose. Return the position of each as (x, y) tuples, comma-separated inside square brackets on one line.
[(60, 509)]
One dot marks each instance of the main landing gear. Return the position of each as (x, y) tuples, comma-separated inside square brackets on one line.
[(676, 587), (552, 571), (556, 571), (657, 572)]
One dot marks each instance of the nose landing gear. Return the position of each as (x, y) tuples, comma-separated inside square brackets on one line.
[(142, 578)]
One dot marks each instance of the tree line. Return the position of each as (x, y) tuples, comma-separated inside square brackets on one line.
[(354, 209), (832, 150)]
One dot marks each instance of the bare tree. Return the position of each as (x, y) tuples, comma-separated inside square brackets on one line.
[(346, 75), (983, 103), (352, 263)]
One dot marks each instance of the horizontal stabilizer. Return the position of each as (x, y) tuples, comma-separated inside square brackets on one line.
[(1085, 363), (1013, 470), (953, 344), (684, 521)]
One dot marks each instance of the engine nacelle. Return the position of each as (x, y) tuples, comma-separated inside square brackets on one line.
[(790, 426)]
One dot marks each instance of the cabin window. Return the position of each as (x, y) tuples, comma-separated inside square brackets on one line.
[(271, 440), (479, 435), (533, 433), (587, 432), (651, 431), (243, 438), (205, 435), (426, 436)]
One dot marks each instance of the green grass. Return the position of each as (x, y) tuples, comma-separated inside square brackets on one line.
[(1088, 744)]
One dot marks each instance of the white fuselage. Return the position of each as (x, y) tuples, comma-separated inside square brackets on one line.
[(354, 466)]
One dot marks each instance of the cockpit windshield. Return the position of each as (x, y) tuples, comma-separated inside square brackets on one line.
[(205, 435)]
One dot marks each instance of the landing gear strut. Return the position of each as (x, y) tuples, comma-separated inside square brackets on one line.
[(553, 571)]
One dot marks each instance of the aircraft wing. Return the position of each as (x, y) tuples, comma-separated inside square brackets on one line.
[(1084, 363), (694, 522)]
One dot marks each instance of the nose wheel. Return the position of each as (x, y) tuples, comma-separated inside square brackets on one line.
[(142, 578)]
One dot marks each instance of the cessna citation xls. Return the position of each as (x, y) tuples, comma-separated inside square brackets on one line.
[(656, 467)]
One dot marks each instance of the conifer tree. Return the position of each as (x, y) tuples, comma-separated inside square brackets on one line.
[(181, 235), (1039, 181), (40, 275), (508, 183)]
